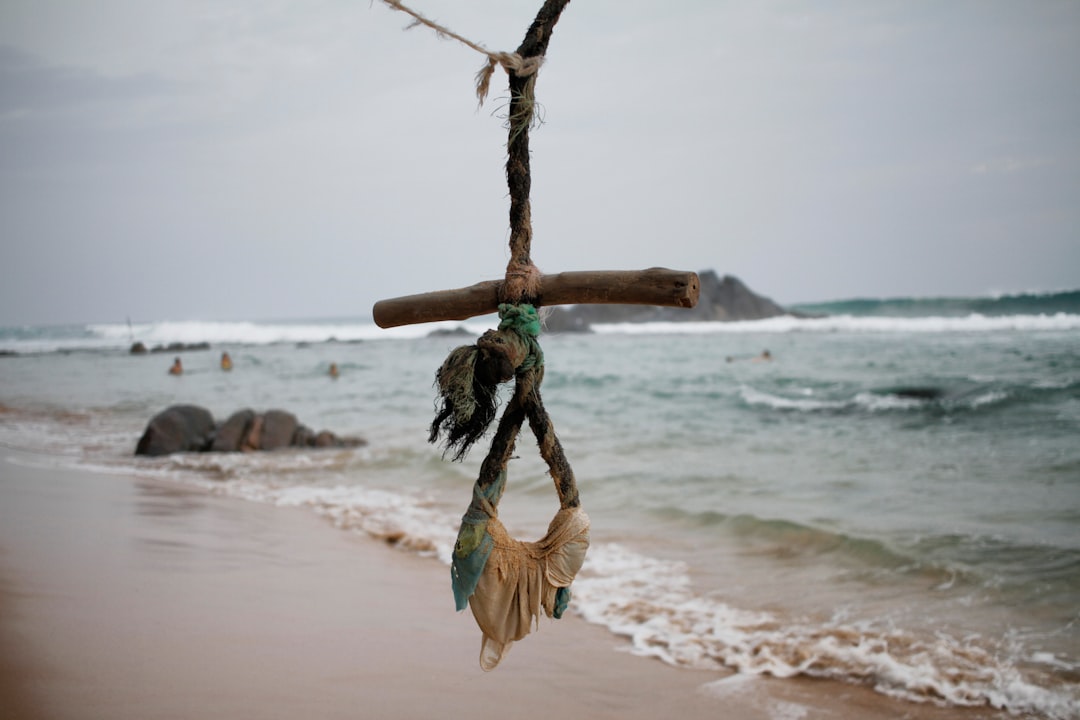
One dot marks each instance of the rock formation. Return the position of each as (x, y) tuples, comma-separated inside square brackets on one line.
[(179, 428), (190, 428)]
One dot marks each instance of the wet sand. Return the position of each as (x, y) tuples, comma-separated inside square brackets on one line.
[(123, 597)]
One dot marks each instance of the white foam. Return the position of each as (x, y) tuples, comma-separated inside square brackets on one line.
[(987, 398), (752, 396), (111, 336), (853, 323), (652, 603), (875, 402), (251, 333)]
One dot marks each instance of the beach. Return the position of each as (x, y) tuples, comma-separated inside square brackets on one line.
[(135, 598), (142, 599), (880, 522)]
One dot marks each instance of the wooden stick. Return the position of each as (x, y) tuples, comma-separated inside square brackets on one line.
[(655, 286)]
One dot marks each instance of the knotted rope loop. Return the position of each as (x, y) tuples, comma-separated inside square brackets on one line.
[(508, 583)]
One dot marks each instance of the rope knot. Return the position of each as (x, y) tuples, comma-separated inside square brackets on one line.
[(469, 377), (524, 321)]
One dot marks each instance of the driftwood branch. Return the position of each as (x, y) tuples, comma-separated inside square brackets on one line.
[(655, 286)]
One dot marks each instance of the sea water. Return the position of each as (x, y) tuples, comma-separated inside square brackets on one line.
[(892, 500)]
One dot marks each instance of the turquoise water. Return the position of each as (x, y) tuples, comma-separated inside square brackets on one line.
[(893, 500)]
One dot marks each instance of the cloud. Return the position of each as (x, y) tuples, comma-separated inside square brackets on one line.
[(30, 86), (1008, 164), (816, 151)]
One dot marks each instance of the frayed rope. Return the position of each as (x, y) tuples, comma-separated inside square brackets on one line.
[(469, 377), (511, 62)]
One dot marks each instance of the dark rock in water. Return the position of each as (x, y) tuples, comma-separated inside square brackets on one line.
[(918, 393), (278, 429), (303, 437), (138, 349), (179, 428), (724, 299), (253, 439), (327, 439), (459, 331), (180, 347), (189, 428), (231, 434)]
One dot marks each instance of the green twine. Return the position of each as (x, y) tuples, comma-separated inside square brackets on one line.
[(524, 320)]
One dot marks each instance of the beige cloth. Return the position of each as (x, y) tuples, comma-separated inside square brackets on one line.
[(521, 578)]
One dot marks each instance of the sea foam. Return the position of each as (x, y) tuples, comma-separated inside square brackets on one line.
[(253, 333), (113, 336), (653, 604), (854, 323)]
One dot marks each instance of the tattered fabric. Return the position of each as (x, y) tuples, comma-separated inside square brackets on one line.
[(508, 582)]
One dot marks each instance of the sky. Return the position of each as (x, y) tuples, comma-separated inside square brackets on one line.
[(271, 159)]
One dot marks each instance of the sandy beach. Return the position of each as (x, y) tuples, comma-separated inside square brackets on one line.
[(123, 597)]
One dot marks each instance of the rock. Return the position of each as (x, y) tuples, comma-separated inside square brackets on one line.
[(303, 437), (189, 428), (278, 428), (180, 347), (179, 428), (231, 434), (458, 331), (138, 349), (327, 439), (253, 439)]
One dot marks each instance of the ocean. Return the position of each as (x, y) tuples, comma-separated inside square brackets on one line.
[(892, 500)]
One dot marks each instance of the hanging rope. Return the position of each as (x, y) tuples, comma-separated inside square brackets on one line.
[(508, 583)]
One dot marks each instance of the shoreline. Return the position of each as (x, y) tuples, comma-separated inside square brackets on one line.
[(128, 597)]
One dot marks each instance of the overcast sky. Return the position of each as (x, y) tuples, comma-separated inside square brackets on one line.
[(243, 159)]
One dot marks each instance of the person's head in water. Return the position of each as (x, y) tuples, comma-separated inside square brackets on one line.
[(333, 370), (226, 361), (177, 368)]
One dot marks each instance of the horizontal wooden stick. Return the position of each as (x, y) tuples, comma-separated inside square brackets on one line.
[(655, 286)]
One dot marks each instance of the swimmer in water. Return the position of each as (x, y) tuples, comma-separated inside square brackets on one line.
[(177, 368), (226, 361)]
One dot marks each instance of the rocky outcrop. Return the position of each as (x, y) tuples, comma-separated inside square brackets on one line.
[(278, 430), (723, 299), (179, 428), (190, 428), (230, 435), (139, 348)]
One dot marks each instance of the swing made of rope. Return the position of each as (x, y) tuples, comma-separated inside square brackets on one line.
[(507, 582)]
